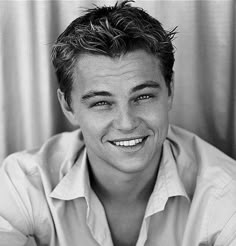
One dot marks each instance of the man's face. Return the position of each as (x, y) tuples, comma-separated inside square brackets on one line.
[(121, 105)]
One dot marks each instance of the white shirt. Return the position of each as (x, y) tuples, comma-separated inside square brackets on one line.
[(46, 196)]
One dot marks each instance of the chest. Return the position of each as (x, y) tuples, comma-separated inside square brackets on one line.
[(125, 225)]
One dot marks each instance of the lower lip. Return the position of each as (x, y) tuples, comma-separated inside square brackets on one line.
[(134, 148)]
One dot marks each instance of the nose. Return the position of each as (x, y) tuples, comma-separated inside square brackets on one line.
[(126, 120)]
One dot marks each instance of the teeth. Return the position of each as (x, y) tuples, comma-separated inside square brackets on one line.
[(132, 142)]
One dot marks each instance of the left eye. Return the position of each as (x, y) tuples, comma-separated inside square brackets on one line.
[(143, 97)]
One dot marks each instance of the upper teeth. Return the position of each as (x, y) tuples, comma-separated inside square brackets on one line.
[(128, 143)]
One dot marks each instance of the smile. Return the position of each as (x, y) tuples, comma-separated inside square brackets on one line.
[(128, 143)]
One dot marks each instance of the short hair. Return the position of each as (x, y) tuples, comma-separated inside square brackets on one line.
[(111, 31)]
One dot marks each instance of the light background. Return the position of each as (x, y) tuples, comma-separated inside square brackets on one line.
[(205, 68)]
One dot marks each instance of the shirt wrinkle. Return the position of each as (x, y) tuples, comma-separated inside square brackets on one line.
[(228, 235)]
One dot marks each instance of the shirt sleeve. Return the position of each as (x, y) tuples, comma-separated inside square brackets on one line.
[(16, 223), (227, 237)]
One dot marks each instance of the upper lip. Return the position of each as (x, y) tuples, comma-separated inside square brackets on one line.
[(127, 139)]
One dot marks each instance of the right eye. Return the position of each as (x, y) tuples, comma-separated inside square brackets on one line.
[(101, 104)]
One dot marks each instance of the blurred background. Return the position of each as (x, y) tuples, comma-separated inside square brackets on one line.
[(205, 68)]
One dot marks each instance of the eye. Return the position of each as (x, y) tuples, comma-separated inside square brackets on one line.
[(101, 104), (144, 97)]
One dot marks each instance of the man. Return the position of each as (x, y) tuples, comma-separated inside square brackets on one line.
[(125, 177)]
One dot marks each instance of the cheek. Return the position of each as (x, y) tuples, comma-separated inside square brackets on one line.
[(156, 119), (154, 114), (93, 126)]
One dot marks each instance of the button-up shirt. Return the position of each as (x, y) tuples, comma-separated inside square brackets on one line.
[(46, 197)]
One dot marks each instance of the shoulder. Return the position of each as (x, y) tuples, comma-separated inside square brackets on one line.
[(58, 151), (209, 161)]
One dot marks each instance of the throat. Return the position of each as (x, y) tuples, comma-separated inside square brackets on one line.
[(122, 189)]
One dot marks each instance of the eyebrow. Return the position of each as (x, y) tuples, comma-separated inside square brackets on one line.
[(92, 94), (147, 84)]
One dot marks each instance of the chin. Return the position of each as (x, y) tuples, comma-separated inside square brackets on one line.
[(131, 165)]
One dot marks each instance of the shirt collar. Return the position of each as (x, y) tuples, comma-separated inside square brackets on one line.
[(75, 183), (168, 183)]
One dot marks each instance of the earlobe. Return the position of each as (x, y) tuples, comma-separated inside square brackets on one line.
[(66, 109)]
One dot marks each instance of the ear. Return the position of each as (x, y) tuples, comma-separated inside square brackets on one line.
[(66, 109), (171, 95)]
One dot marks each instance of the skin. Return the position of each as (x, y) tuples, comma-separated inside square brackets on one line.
[(116, 99)]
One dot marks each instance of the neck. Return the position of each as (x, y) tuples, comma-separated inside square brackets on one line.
[(123, 188)]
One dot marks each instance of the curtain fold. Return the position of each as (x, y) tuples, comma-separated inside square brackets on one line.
[(205, 76)]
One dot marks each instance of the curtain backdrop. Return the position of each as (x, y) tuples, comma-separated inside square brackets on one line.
[(205, 77)]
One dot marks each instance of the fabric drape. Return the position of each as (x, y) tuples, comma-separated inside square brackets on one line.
[(205, 68)]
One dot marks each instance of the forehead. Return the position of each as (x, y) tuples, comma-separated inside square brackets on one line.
[(133, 67)]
